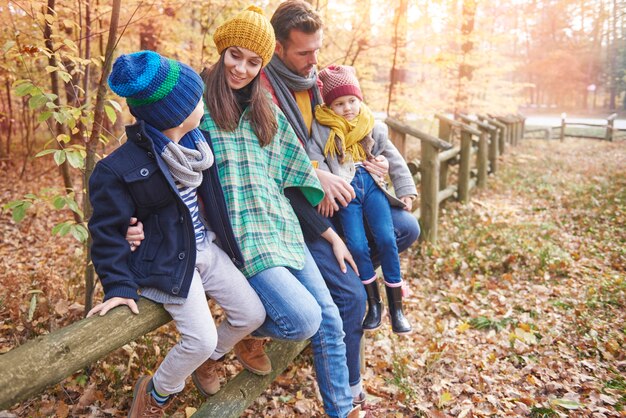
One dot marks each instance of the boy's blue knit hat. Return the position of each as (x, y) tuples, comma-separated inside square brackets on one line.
[(161, 91)]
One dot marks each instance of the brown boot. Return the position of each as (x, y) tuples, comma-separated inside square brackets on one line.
[(206, 379), (354, 412), (251, 355), (144, 405)]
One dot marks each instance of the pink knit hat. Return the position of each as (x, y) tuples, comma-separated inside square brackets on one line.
[(339, 80)]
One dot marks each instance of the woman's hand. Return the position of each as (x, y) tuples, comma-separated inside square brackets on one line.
[(325, 208), (408, 202), (134, 234), (379, 166), (104, 307), (342, 254)]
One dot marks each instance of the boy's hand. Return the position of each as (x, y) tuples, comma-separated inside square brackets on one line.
[(408, 202), (134, 234), (379, 166), (104, 307)]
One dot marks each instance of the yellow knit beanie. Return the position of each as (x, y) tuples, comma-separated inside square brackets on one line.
[(249, 29)]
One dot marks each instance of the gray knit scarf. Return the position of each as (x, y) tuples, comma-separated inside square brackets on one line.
[(284, 81), (186, 159)]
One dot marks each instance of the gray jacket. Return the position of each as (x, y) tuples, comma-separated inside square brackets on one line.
[(399, 173)]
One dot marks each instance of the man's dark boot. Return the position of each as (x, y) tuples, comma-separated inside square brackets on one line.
[(373, 318), (399, 323)]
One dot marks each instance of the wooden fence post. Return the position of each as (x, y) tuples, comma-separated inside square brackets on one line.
[(482, 161), (610, 123), (429, 188), (445, 132), (399, 141), (562, 137), (465, 165)]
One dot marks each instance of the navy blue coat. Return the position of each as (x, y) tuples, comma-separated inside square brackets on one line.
[(135, 181)]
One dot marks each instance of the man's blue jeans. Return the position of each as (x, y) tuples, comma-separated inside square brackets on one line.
[(372, 205), (299, 306)]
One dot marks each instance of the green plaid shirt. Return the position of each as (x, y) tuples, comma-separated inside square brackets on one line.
[(253, 179)]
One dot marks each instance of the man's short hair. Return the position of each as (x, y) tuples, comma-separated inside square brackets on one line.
[(295, 14)]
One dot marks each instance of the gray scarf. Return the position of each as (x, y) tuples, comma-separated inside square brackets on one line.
[(284, 81), (186, 159)]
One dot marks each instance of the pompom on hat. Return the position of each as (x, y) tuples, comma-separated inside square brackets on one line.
[(160, 91), (248, 29), (337, 81)]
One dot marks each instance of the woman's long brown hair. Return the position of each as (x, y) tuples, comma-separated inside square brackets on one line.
[(225, 110)]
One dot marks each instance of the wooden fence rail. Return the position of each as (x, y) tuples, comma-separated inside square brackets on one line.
[(46, 360), (481, 141)]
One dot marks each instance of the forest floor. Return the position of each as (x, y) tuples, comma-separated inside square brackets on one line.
[(519, 310)]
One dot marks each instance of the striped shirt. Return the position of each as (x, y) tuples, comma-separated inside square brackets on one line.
[(253, 180), (190, 197)]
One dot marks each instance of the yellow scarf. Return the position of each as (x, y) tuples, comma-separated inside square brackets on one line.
[(350, 133)]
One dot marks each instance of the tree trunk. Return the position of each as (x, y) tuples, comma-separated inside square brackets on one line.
[(465, 68), (91, 146), (399, 49)]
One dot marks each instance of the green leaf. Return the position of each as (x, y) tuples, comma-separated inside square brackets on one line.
[(59, 156), (37, 101), (57, 228), (115, 105), (63, 138), (44, 116), (19, 212), (65, 76), (58, 202), (24, 89), (69, 43), (75, 159), (80, 233), (110, 112), (566, 403), (45, 152), (51, 69)]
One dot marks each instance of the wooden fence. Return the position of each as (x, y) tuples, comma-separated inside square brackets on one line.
[(610, 131), (46, 360)]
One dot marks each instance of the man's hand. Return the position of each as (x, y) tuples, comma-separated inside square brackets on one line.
[(336, 189), (134, 234), (104, 307), (379, 166), (342, 254), (408, 202)]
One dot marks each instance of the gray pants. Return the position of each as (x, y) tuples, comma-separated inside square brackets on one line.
[(216, 276)]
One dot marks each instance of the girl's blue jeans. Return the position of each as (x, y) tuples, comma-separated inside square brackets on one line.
[(370, 205)]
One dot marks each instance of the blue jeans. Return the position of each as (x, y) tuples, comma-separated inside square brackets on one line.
[(349, 295), (299, 306), (372, 205)]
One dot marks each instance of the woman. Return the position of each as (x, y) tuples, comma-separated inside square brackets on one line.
[(259, 158)]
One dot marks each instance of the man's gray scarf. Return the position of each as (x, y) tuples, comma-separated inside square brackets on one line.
[(284, 81)]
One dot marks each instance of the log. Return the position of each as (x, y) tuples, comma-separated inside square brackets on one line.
[(244, 388), (48, 359)]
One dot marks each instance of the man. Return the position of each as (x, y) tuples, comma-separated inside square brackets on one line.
[(291, 77)]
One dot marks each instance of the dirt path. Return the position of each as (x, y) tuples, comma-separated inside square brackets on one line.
[(519, 310)]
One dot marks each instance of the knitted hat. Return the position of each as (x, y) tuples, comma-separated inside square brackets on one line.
[(161, 91), (339, 80), (249, 29)]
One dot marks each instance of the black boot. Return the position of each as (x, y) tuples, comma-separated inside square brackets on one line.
[(373, 318), (399, 323)]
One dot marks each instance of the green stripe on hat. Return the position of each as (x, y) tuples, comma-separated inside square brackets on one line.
[(163, 90)]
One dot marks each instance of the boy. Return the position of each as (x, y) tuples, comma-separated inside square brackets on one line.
[(165, 176), (355, 137)]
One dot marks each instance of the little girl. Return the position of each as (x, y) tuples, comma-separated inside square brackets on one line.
[(353, 138), (165, 176)]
